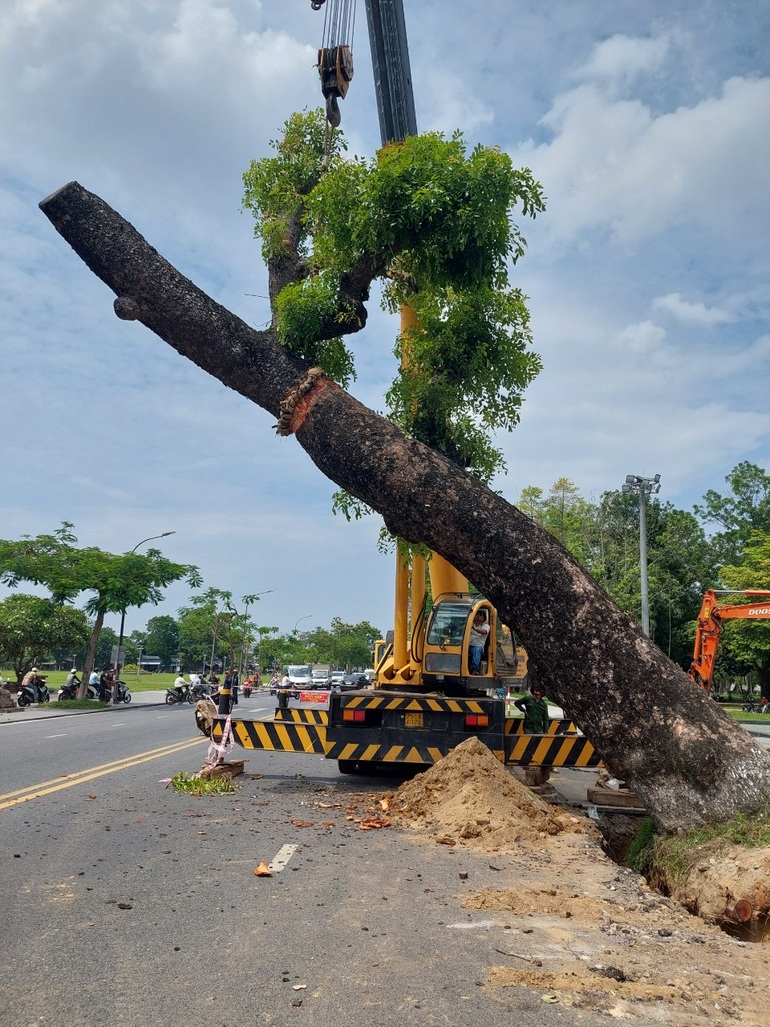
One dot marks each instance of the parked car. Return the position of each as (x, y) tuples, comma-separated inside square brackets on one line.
[(357, 679)]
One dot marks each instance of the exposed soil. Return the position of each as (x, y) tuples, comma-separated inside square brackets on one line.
[(584, 931)]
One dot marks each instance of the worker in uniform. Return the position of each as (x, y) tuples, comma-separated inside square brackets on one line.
[(535, 710)]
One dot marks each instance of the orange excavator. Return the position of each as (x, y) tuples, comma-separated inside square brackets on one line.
[(712, 616)]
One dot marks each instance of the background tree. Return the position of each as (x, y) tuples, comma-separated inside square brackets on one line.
[(604, 538), (117, 582), (266, 647), (746, 508), (31, 628), (343, 645), (566, 515), (161, 638), (212, 628)]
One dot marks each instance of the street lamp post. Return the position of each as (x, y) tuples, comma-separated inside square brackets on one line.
[(118, 666), (306, 617), (643, 487)]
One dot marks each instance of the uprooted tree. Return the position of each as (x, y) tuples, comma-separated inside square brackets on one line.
[(687, 760)]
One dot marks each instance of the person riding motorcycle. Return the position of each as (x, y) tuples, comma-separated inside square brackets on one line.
[(180, 685), (34, 683), (30, 678)]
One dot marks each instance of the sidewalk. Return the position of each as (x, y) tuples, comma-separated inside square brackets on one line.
[(54, 708)]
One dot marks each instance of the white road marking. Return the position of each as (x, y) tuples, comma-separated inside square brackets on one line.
[(282, 857), (63, 735), (474, 926)]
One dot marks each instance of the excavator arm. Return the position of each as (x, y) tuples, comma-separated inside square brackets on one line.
[(710, 621)]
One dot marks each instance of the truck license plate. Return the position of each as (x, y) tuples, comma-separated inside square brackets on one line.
[(412, 720)]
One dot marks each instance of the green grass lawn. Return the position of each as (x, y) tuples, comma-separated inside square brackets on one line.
[(144, 683)]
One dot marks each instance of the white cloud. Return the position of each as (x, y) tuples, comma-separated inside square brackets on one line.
[(613, 167), (643, 338), (690, 313), (622, 58)]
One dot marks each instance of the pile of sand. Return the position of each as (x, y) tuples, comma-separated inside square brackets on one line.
[(470, 797)]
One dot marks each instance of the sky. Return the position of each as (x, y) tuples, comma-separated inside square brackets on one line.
[(648, 125)]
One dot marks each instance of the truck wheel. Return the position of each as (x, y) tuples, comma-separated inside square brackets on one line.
[(347, 766)]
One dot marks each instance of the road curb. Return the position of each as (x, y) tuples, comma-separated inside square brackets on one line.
[(52, 710)]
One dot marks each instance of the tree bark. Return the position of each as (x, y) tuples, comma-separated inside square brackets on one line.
[(685, 758)]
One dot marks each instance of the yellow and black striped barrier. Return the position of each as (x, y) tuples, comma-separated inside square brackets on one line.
[(410, 703), (302, 716), (515, 726), (274, 736), (551, 751), (392, 728), (354, 752)]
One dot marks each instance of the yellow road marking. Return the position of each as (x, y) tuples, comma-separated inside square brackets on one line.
[(82, 776)]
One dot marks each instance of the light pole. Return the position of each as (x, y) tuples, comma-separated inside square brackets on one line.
[(643, 487), (123, 620), (306, 617)]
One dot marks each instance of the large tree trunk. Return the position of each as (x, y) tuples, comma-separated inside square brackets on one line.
[(687, 760)]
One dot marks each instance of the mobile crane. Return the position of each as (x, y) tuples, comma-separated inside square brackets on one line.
[(424, 700), (711, 619)]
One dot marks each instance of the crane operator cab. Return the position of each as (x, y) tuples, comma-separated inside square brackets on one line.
[(448, 659)]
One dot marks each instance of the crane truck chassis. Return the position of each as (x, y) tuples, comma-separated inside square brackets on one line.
[(422, 704), (371, 730)]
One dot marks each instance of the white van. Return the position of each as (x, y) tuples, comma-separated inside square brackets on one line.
[(299, 676), (321, 677)]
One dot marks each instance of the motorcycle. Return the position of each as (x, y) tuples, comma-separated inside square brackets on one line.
[(763, 706), (123, 693), (69, 692), (202, 690), (35, 691), (179, 694)]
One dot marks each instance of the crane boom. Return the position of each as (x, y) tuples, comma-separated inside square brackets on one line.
[(392, 73)]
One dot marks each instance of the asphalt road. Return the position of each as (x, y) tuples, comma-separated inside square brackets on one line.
[(126, 903)]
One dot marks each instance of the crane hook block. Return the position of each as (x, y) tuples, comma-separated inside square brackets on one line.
[(317, 4), (335, 67)]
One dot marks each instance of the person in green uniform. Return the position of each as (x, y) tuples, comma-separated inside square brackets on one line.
[(535, 710)]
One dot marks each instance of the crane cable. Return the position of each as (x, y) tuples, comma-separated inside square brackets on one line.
[(339, 23)]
